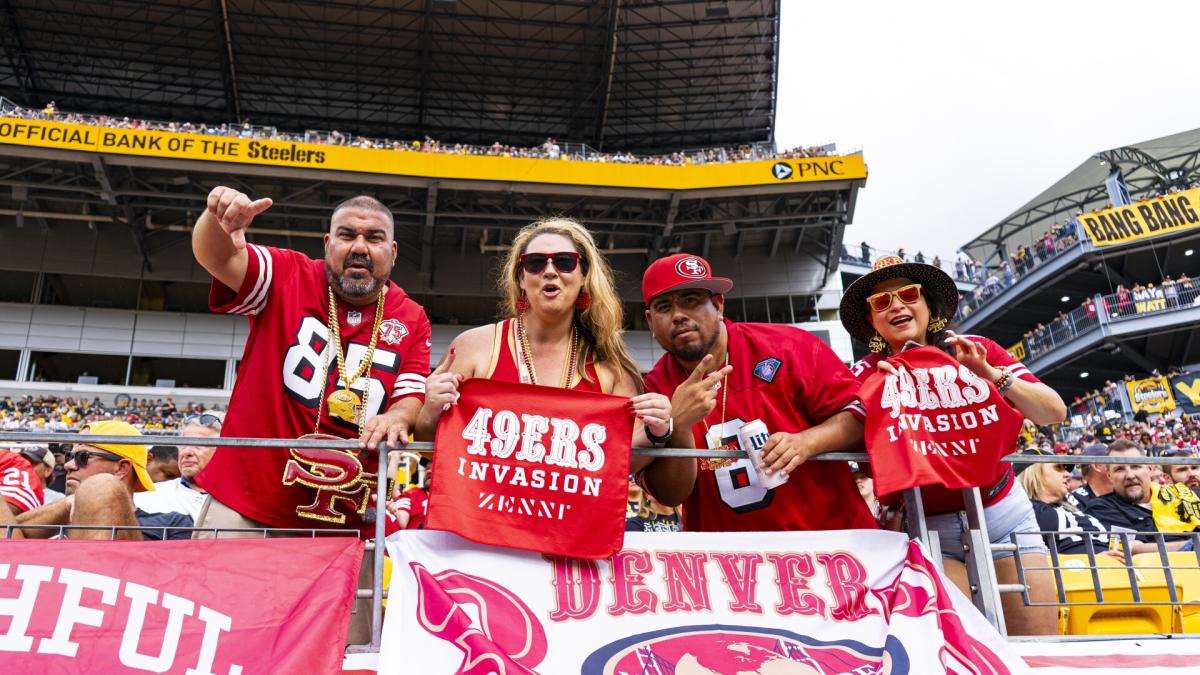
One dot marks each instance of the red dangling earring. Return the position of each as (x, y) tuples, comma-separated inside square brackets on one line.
[(583, 301), (522, 303)]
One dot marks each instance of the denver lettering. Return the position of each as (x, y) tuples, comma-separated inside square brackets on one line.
[(50, 134), (289, 153), (127, 601), (685, 577)]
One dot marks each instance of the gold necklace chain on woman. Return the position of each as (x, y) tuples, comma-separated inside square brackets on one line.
[(348, 406), (572, 358)]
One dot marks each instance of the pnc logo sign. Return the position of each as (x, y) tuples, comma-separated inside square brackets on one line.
[(781, 170), (692, 268)]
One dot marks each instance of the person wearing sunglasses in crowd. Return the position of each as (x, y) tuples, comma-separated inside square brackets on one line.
[(101, 481), (898, 303), (183, 494), (563, 330)]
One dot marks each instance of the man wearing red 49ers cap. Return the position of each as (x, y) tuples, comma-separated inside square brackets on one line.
[(721, 375)]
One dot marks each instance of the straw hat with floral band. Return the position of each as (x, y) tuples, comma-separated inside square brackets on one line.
[(136, 454), (931, 282)]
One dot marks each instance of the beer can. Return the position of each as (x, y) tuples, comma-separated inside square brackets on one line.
[(752, 437)]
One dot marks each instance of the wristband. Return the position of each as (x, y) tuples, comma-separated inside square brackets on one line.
[(660, 441), (1005, 381)]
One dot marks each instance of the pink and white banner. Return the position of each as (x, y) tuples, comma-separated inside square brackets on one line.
[(206, 607), (817, 603)]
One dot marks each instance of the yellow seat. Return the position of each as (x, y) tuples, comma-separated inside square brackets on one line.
[(1116, 616), (1185, 572)]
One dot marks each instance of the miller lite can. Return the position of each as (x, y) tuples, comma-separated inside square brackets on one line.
[(752, 437)]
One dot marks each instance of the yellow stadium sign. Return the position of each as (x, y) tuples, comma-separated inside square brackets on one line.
[(408, 162), (1018, 351), (1151, 395), (1151, 218)]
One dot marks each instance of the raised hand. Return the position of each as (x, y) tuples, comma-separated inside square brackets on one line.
[(235, 211), (696, 396), (441, 387)]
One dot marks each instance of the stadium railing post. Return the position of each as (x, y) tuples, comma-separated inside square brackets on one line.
[(914, 509), (380, 519), (981, 575)]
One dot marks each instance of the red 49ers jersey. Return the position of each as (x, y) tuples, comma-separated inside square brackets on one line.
[(19, 485), (791, 380), (279, 386)]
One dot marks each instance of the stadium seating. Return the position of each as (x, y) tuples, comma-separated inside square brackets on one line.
[(1114, 617), (1185, 572)]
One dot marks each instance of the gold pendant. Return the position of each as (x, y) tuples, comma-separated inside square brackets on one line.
[(345, 405), (714, 463)]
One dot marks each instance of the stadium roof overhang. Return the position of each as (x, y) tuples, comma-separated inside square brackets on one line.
[(644, 76), (1148, 168)]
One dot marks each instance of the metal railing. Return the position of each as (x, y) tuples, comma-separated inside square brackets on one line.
[(984, 591)]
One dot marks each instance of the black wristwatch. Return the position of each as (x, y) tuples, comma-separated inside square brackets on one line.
[(660, 441)]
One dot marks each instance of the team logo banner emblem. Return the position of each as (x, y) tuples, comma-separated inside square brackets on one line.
[(934, 422), (816, 603), (531, 467), (392, 331), (766, 369), (692, 268), (206, 606)]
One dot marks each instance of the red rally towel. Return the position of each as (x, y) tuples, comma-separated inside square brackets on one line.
[(537, 468), (934, 422)]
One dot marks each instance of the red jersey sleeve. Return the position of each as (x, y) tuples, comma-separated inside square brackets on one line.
[(999, 356), (410, 380), (19, 485), (824, 386), (264, 265)]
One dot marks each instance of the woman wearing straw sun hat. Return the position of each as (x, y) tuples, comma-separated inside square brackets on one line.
[(898, 303)]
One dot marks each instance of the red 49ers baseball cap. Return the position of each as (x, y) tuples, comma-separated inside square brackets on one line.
[(680, 271)]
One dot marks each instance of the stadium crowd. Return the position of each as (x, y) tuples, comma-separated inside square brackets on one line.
[(1061, 237), (66, 413), (1140, 299), (549, 149)]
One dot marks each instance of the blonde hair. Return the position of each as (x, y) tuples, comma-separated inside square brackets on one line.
[(1033, 480), (600, 325)]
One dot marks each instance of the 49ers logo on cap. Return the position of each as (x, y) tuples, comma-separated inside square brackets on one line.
[(692, 268), (392, 331)]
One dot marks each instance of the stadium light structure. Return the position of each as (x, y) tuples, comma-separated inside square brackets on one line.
[(1189, 252), (1083, 375)]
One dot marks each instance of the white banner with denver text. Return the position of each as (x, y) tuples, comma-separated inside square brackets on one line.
[(817, 603)]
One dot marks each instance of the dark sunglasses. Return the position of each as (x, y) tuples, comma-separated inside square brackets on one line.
[(907, 294), (203, 419), (565, 261), (81, 457)]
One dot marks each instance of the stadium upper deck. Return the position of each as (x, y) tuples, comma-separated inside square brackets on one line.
[(643, 76), (110, 208), (1068, 252)]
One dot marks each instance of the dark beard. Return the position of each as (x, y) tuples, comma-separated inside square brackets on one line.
[(693, 354), (354, 289)]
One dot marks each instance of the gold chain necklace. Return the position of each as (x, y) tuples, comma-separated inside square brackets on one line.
[(572, 358), (714, 463), (343, 403)]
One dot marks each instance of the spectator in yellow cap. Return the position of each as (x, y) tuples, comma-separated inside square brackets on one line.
[(101, 481)]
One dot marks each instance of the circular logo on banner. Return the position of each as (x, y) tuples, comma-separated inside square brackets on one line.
[(692, 268), (742, 649), (782, 170)]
